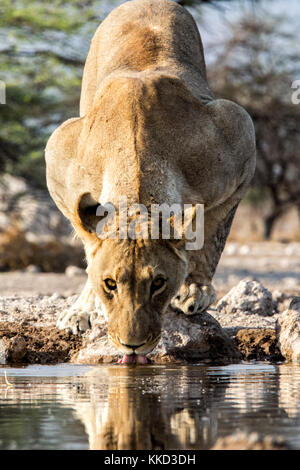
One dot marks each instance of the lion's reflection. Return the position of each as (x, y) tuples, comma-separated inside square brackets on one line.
[(127, 408), (154, 407)]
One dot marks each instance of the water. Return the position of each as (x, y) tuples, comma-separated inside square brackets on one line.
[(146, 407)]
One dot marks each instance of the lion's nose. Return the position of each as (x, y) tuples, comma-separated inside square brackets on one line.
[(132, 346)]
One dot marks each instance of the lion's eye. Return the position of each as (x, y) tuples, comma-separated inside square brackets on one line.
[(157, 284), (110, 284)]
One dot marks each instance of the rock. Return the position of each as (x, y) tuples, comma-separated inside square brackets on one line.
[(195, 337), (16, 349), (283, 300), (244, 250), (231, 248), (278, 296), (184, 338), (248, 297), (12, 350), (288, 331), (258, 344), (2, 351), (54, 297), (72, 271), (251, 441), (32, 268)]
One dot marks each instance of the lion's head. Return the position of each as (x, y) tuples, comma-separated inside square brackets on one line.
[(135, 281)]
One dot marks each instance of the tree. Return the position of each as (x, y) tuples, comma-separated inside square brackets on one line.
[(256, 69), (44, 46)]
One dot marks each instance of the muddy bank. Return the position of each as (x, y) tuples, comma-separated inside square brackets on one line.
[(259, 344), (21, 343), (248, 323)]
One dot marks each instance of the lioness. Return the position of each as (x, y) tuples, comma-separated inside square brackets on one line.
[(149, 129)]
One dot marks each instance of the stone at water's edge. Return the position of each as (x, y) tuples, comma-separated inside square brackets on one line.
[(196, 337), (12, 350), (184, 338), (288, 331), (3, 352), (248, 297), (252, 441)]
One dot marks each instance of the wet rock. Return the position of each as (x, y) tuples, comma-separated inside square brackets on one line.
[(196, 337), (251, 441), (288, 331), (184, 338), (12, 350), (16, 349), (248, 297), (258, 344)]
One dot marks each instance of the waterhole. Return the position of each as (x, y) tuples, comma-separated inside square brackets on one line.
[(146, 407)]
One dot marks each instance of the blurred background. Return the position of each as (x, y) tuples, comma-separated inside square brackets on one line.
[(252, 56)]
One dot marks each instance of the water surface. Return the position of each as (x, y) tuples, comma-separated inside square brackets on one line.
[(146, 407)]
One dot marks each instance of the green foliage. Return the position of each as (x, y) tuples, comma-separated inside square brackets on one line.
[(41, 65)]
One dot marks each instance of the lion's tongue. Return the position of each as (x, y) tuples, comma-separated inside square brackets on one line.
[(133, 359)]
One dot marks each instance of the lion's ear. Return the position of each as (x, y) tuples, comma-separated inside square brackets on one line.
[(60, 152), (93, 220), (87, 212)]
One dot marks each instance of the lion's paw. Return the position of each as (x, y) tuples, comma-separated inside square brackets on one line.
[(193, 298), (75, 321)]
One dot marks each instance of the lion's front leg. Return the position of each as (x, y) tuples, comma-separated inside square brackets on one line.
[(197, 293), (81, 315), (193, 298)]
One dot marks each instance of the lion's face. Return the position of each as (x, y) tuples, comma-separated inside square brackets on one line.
[(135, 282)]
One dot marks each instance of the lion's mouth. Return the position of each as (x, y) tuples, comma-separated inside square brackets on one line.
[(134, 359)]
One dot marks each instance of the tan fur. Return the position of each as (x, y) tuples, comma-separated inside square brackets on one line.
[(149, 129)]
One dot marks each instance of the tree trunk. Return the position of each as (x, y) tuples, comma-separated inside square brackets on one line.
[(269, 225)]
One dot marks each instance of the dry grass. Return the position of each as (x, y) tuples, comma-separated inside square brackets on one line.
[(16, 252)]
